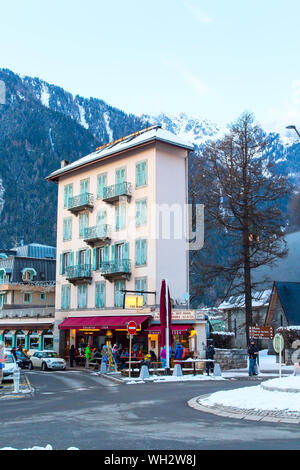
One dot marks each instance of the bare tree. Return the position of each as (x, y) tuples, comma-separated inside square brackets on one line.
[(241, 193)]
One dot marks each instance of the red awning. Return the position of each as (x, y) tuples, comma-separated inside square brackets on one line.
[(102, 323), (176, 329)]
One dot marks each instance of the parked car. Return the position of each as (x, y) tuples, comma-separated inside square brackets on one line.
[(10, 366), (47, 360), (22, 360)]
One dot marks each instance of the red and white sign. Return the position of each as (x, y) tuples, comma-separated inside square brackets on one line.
[(132, 327)]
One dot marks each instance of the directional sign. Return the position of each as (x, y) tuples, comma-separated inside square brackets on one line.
[(278, 343), (131, 327), (261, 332)]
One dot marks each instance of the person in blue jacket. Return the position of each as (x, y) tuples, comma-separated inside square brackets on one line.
[(178, 351)]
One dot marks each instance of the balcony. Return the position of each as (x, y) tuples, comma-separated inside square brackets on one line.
[(81, 273), (97, 236), (120, 269), (80, 203), (114, 193), (11, 311)]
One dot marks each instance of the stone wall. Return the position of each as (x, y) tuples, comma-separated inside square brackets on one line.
[(231, 358)]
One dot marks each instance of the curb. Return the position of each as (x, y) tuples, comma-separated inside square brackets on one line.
[(270, 388), (237, 413), (112, 379)]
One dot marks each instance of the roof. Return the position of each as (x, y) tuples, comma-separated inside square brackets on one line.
[(259, 299), (289, 296), (150, 134)]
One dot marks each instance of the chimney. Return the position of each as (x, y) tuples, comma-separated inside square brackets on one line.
[(64, 163)]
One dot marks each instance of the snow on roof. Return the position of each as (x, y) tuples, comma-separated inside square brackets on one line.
[(259, 299), (137, 138)]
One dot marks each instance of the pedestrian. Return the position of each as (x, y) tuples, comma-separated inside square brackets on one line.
[(210, 353), (3, 357), (178, 351), (88, 356), (153, 356), (253, 355), (72, 355), (163, 356)]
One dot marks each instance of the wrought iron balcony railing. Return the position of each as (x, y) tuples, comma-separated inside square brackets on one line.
[(114, 192), (98, 234), (82, 202), (80, 271), (116, 267)]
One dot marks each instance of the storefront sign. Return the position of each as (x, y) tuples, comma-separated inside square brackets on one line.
[(179, 315), (134, 301), (261, 332)]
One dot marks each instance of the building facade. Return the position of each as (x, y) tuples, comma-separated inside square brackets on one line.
[(121, 226), (27, 297)]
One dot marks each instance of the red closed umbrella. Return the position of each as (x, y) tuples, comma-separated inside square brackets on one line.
[(163, 314)]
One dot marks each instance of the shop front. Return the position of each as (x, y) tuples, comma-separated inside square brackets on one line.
[(28, 339), (99, 331)]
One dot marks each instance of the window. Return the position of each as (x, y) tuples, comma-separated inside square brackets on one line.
[(43, 296), (102, 183), (100, 294), (83, 223), (141, 174), (141, 213), (82, 296), (120, 175), (101, 218), (120, 216), (3, 300), (140, 252), (68, 193), (82, 257), (65, 297), (119, 296), (84, 186), (66, 262), (27, 297), (141, 285), (67, 229), (100, 257)]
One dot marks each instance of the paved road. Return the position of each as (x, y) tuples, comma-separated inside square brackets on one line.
[(77, 409)]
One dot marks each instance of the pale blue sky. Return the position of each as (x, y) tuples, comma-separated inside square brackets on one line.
[(214, 59)]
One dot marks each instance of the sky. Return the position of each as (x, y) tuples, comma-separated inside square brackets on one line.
[(207, 59)]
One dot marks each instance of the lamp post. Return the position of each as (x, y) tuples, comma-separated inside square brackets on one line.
[(293, 128)]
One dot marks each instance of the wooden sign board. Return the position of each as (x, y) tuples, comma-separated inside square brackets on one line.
[(134, 301), (261, 332)]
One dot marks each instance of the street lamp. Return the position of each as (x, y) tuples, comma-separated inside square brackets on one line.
[(294, 128)]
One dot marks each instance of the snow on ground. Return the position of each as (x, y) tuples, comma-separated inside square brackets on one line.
[(48, 447), (82, 117), (159, 378), (45, 95), (255, 398), (292, 382)]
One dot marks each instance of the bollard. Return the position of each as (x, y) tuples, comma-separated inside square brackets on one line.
[(217, 371), (103, 368), (144, 374), (296, 369), (177, 372), (17, 380)]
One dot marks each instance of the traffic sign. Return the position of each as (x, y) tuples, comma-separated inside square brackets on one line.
[(131, 327), (278, 343)]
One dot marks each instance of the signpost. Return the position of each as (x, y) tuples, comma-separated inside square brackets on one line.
[(278, 344), (261, 332), (131, 328)]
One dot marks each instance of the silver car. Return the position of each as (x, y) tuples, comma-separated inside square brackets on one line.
[(47, 360)]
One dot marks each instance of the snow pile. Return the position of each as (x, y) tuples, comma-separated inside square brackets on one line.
[(254, 398), (291, 383), (171, 378), (48, 447)]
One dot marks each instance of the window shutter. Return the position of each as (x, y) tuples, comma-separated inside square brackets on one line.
[(126, 250), (106, 254), (71, 258), (94, 259), (143, 252), (61, 264), (77, 258), (113, 253), (88, 256)]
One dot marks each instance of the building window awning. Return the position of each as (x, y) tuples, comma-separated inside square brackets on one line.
[(176, 329), (31, 270), (102, 323)]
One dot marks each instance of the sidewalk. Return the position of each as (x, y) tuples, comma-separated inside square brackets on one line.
[(26, 390)]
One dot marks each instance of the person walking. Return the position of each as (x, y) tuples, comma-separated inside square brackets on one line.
[(253, 355), (88, 356), (2, 361), (210, 353), (72, 355), (163, 356)]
